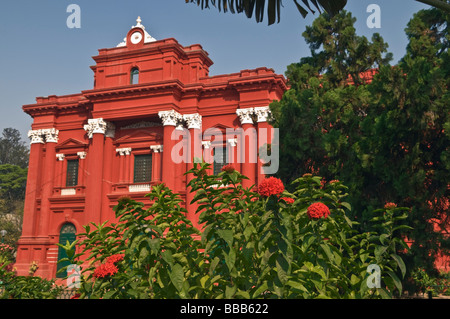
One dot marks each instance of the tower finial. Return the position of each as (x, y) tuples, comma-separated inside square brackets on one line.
[(138, 20)]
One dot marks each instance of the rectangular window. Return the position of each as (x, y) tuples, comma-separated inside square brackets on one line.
[(72, 173), (220, 159), (142, 168)]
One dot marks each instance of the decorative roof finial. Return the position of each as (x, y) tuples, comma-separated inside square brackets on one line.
[(138, 20)]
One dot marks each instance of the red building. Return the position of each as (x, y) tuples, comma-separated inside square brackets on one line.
[(89, 149)]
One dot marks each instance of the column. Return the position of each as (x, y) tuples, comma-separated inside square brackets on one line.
[(170, 120), (156, 162), (32, 188), (59, 170), (96, 130), (208, 156), (247, 150), (30, 215), (264, 136), (81, 168), (51, 138), (107, 213), (123, 169), (194, 125)]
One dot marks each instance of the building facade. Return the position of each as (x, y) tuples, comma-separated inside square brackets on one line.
[(89, 149)]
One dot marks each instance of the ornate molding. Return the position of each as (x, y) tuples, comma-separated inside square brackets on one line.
[(171, 117), (157, 148), (99, 126), (36, 136), (245, 115), (124, 151), (263, 113), (142, 124), (193, 120), (60, 157)]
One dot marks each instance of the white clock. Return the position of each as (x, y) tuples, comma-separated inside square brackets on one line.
[(136, 37)]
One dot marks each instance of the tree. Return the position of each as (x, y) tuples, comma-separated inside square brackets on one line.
[(250, 7), (13, 177), (386, 138), (13, 181), (12, 149)]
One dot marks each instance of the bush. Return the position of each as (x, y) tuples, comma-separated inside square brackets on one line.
[(264, 243)]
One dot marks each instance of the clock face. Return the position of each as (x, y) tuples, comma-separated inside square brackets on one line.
[(136, 37)]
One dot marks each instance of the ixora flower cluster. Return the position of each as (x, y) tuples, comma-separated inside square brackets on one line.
[(318, 210), (109, 268), (274, 186)]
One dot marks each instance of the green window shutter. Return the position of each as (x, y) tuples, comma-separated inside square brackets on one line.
[(142, 168), (72, 173)]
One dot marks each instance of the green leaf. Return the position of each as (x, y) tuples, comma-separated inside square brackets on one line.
[(154, 245), (296, 285), (226, 235), (230, 291), (177, 276), (400, 263), (230, 259)]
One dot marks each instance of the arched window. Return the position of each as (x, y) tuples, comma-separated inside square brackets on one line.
[(67, 233), (134, 77)]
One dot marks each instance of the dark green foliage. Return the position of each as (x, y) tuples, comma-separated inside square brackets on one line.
[(388, 139)]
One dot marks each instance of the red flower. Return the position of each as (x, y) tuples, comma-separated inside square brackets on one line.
[(76, 296), (104, 270), (114, 258), (390, 206), (271, 186), (288, 200), (318, 210), (228, 168)]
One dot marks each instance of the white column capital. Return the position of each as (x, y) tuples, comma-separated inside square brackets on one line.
[(51, 135), (206, 144), (124, 151), (36, 136), (82, 155), (99, 126), (193, 120), (245, 115), (157, 148), (232, 142), (263, 113), (60, 157), (171, 117)]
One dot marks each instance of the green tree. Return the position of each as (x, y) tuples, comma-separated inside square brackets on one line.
[(407, 137), (14, 155), (13, 149), (13, 181), (387, 139), (257, 7)]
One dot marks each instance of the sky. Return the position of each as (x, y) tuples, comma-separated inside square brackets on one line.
[(40, 55)]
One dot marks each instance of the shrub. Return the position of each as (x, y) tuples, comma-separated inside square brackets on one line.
[(266, 244)]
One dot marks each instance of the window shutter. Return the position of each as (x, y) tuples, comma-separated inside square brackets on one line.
[(142, 168), (72, 173), (220, 159)]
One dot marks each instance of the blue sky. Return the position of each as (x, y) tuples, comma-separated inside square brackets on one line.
[(40, 55)]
